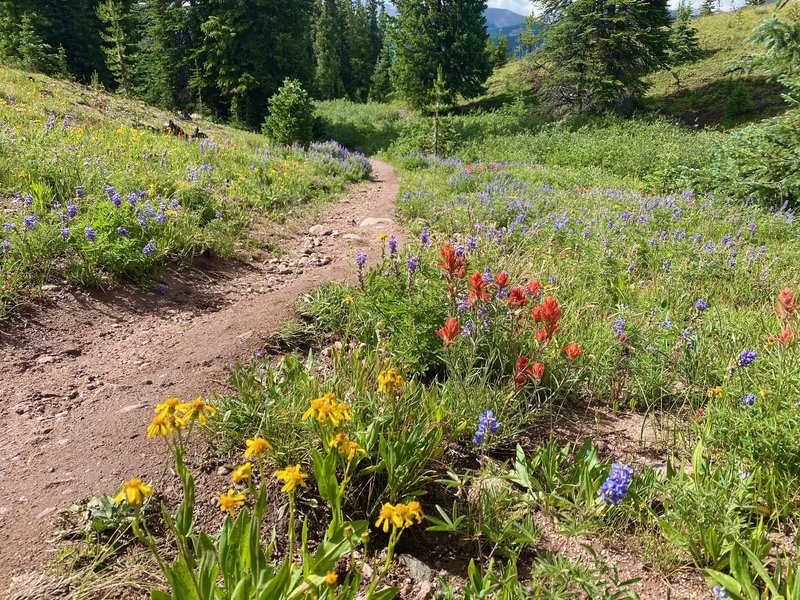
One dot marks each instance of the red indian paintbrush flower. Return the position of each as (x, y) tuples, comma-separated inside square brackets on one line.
[(542, 337), (501, 281), (786, 304), (534, 289), (548, 313), (571, 351), (449, 331), (477, 289), (784, 337), (516, 298), (451, 263), (523, 371)]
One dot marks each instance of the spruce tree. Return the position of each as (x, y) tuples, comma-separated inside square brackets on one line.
[(381, 84), (112, 14), (327, 39), (360, 55), (433, 33), (597, 52), (500, 57), (683, 42), (707, 7)]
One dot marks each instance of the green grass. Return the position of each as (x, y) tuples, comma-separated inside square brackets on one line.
[(699, 93), (65, 152)]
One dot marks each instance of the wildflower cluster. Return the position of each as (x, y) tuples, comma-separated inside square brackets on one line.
[(327, 409), (616, 485), (399, 516), (487, 424)]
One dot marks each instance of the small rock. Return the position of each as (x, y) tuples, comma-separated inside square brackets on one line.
[(366, 572), (373, 221), (415, 568), (45, 360), (245, 336), (424, 591), (223, 471), (320, 230), (353, 237), (131, 408)]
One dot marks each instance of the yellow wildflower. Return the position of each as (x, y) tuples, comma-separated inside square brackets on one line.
[(168, 405), (715, 392), (385, 517), (133, 491), (345, 446), (762, 392), (164, 423), (347, 300), (415, 511), (257, 447), (291, 478), (389, 381), (242, 472), (327, 408), (331, 578), (230, 502), (197, 409)]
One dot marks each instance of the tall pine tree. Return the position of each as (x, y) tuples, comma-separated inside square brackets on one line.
[(597, 52), (114, 17), (328, 81), (684, 45), (450, 34)]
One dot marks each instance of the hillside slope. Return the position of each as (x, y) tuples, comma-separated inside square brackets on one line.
[(721, 87)]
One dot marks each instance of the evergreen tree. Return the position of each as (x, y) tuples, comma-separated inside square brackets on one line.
[(375, 13), (381, 84), (500, 56), (360, 55), (249, 47), (162, 62), (327, 39), (707, 7), (598, 51), (683, 43), (112, 14), (433, 33)]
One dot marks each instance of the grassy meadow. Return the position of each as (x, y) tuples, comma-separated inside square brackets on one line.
[(455, 402)]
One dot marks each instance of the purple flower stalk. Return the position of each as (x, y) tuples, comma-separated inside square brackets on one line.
[(361, 258), (746, 358), (748, 400), (412, 263), (64, 231), (29, 222), (122, 231), (616, 484), (619, 325), (486, 424), (89, 233), (425, 237), (149, 247), (700, 305)]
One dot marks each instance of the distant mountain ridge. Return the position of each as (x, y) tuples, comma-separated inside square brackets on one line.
[(496, 18)]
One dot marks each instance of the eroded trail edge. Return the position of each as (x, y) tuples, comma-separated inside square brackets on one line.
[(79, 380)]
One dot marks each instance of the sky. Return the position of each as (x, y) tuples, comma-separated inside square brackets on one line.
[(523, 7)]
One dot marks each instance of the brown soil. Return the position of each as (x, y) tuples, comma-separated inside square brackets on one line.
[(80, 375)]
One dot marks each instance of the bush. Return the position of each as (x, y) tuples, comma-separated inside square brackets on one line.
[(291, 115)]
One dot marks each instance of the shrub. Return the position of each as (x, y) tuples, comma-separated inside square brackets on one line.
[(291, 115)]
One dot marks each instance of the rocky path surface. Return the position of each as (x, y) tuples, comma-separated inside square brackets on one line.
[(79, 378)]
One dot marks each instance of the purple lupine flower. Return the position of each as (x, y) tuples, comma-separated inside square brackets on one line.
[(29, 221), (619, 325), (175, 204), (700, 305), (161, 218), (746, 358), (719, 593), (122, 231), (616, 484), (748, 400), (551, 279), (466, 329), (463, 303), (9, 227), (148, 210), (72, 210), (425, 237), (361, 258), (472, 243), (79, 192), (149, 247), (487, 276), (89, 233), (5, 245), (132, 199), (28, 200), (460, 251), (217, 214), (412, 262), (64, 231), (486, 424), (116, 200), (393, 246), (161, 288)]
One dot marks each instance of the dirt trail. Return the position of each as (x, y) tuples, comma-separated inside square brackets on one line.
[(79, 380)]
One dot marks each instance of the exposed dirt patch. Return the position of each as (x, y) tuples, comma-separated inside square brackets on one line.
[(82, 373)]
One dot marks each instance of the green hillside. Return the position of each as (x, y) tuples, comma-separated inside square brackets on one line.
[(721, 87)]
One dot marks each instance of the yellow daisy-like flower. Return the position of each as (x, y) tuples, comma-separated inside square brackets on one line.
[(133, 492), (389, 381), (331, 578), (242, 472), (415, 511), (347, 300), (383, 237), (762, 392), (346, 446), (230, 502), (197, 409), (257, 447), (291, 478), (168, 405), (715, 392), (327, 408), (385, 517), (163, 424)]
